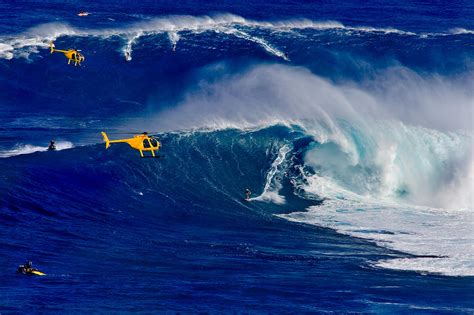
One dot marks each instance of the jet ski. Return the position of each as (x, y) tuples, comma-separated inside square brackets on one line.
[(26, 269)]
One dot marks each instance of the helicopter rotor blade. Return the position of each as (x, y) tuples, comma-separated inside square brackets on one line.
[(131, 133)]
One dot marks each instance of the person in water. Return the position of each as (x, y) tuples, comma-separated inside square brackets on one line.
[(26, 268), (248, 193), (52, 145)]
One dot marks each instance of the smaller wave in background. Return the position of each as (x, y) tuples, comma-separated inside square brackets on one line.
[(21, 149), (24, 44)]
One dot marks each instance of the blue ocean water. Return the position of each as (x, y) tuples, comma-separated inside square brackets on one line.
[(350, 122)]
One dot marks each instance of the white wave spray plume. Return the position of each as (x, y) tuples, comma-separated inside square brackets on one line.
[(378, 125), (398, 147)]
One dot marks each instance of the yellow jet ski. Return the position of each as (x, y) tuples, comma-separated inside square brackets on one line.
[(27, 269)]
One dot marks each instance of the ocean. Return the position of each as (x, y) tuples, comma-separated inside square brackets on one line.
[(350, 122)]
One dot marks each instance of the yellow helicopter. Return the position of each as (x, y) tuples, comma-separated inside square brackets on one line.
[(71, 54), (141, 143)]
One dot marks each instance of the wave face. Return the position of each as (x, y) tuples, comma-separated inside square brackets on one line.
[(353, 130), (368, 166)]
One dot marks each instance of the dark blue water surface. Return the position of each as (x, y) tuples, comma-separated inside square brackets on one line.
[(116, 233)]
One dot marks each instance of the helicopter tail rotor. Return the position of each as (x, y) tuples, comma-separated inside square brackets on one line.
[(106, 139)]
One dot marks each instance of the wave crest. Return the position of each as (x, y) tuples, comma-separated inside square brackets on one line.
[(22, 45)]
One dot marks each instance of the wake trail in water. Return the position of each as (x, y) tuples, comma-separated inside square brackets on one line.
[(272, 183), (127, 50), (269, 48)]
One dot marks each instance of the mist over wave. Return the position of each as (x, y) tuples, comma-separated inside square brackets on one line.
[(409, 129), (398, 148)]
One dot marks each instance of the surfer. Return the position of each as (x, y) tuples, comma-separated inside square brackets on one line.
[(52, 146), (248, 193)]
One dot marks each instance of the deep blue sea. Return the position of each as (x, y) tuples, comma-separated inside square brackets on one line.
[(350, 121)]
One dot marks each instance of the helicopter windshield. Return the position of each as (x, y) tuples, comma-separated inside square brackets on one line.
[(147, 142), (153, 142)]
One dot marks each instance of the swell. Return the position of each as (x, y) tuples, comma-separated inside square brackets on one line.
[(285, 167), (39, 37), (394, 147), (21, 149)]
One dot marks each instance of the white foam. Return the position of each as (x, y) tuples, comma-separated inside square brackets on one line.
[(21, 149), (443, 239), (6, 51), (375, 196), (460, 30), (388, 30), (22, 45)]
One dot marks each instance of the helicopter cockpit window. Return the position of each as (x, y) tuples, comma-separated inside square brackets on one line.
[(73, 56), (154, 143), (146, 144)]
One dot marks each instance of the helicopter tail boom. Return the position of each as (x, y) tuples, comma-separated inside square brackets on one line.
[(52, 49)]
